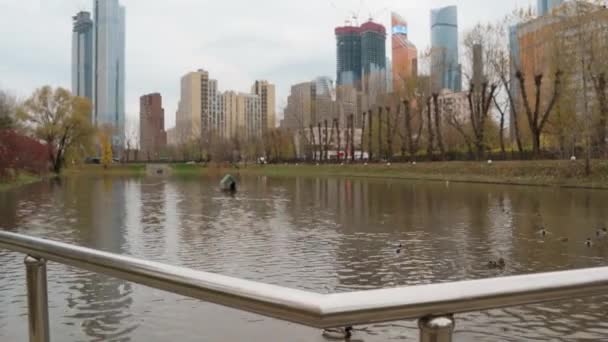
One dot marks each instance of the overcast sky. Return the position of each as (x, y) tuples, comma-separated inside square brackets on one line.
[(237, 41)]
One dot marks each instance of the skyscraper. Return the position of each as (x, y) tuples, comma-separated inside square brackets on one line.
[(445, 68), (545, 7), (266, 92), (373, 47), (348, 41), (405, 54), (361, 52), (109, 67), (82, 55)]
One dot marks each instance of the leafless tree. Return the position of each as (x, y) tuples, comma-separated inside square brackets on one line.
[(537, 119), (437, 119), (429, 131)]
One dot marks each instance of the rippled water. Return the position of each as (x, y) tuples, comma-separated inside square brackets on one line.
[(323, 235)]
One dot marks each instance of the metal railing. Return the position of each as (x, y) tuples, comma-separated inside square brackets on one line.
[(433, 305)]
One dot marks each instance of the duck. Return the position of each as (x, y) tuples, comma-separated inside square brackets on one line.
[(589, 243), (338, 333), (497, 264), (602, 232), (564, 239), (543, 232)]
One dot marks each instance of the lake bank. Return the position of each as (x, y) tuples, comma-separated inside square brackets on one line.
[(534, 173), (21, 180)]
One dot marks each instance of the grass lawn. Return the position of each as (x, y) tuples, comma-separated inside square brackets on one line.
[(543, 173), (22, 179)]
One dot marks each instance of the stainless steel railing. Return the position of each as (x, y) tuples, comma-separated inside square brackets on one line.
[(433, 305)]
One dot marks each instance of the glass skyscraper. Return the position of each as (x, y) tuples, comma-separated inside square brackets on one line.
[(445, 68), (82, 55), (109, 62), (373, 47), (546, 6), (348, 40)]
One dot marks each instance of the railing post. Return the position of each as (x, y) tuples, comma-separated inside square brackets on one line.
[(436, 329), (37, 299)]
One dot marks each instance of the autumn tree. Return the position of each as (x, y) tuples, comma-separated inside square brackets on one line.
[(59, 119), (105, 143)]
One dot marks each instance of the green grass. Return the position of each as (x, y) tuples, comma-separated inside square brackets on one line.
[(117, 169), (21, 180), (544, 172)]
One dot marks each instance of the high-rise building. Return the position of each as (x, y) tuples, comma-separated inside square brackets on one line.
[(445, 68), (348, 46), (109, 67), (300, 111), (360, 52), (243, 114), (405, 54), (189, 109), (545, 7), (82, 55), (209, 115), (152, 135), (266, 92), (373, 47)]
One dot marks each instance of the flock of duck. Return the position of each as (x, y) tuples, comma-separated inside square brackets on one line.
[(501, 264), (346, 333)]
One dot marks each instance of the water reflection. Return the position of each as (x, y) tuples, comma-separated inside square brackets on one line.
[(324, 235)]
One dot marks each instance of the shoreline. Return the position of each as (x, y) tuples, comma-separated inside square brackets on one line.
[(561, 174), (21, 180)]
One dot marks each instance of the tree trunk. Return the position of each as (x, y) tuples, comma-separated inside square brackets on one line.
[(320, 141), (352, 137), (431, 137), (600, 90), (369, 133), (380, 154), (326, 152), (502, 135), (389, 135), (438, 125), (362, 133), (313, 149), (339, 139)]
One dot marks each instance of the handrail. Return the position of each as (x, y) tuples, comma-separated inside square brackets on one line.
[(317, 310)]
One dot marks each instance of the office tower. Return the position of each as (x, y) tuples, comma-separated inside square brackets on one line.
[(545, 7), (405, 54), (299, 113), (82, 55), (445, 68), (373, 47), (266, 92), (189, 110), (348, 40), (152, 135), (109, 67)]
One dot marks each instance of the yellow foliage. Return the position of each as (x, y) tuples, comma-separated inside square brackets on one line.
[(106, 149)]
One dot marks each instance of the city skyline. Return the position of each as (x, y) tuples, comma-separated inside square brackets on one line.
[(285, 61)]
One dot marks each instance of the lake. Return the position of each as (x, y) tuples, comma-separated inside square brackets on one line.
[(319, 234)]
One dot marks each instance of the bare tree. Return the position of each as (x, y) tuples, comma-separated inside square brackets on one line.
[(380, 147), (537, 119), (479, 107), (437, 119), (369, 140), (362, 131), (430, 133)]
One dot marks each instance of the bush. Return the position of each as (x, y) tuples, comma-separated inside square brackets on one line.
[(21, 153)]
